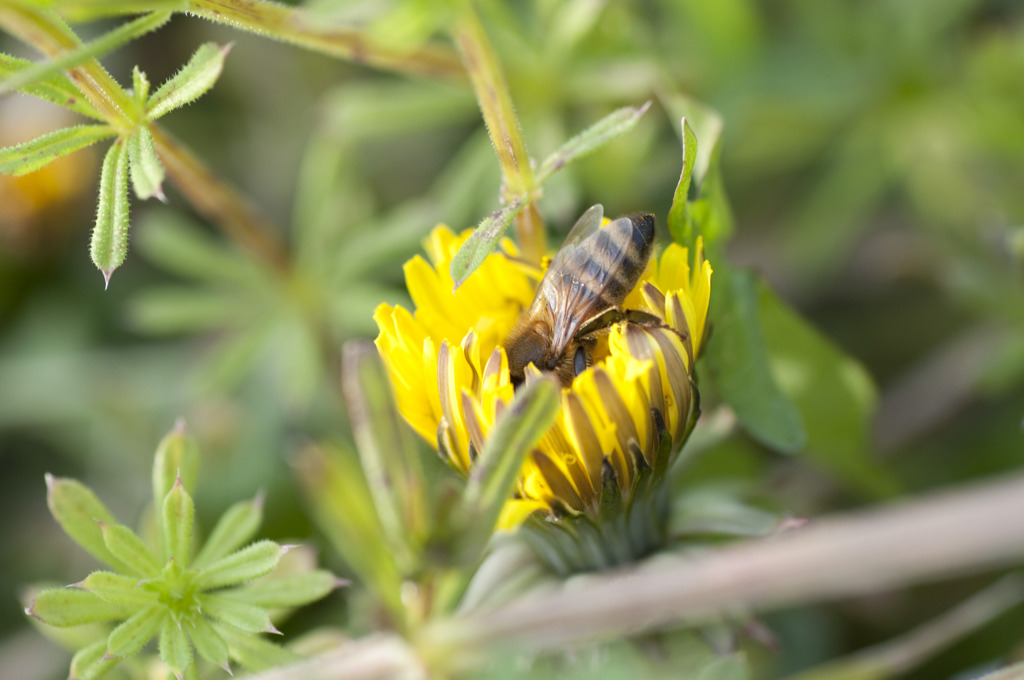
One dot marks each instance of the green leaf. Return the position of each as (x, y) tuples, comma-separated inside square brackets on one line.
[(55, 88), (129, 549), (257, 560), (178, 514), (835, 395), (177, 455), (493, 475), (91, 662), (234, 612), (613, 125), (103, 45), (738, 364), (77, 11), (22, 159), (193, 80), (78, 511), (289, 591), (253, 652), (140, 87), (209, 643), (110, 233), (483, 241), (391, 461), (133, 634), (236, 526), (64, 607), (118, 589), (175, 650), (678, 219), (144, 167)]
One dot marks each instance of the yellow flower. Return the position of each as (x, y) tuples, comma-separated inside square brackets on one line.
[(621, 419)]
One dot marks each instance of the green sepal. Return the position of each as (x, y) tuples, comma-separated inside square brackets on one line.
[(178, 515), (613, 125), (193, 80), (258, 559), (253, 652), (289, 591), (78, 511), (482, 242), (208, 642), (175, 650), (129, 549), (144, 167), (234, 612), (118, 589), (90, 662), (679, 224), (493, 476), (27, 157), (55, 88), (110, 233), (177, 455), (63, 607), (236, 526), (134, 633)]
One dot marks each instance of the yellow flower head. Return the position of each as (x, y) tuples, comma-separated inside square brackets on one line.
[(626, 414)]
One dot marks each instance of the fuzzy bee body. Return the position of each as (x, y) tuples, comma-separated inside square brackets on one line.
[(580, 294)]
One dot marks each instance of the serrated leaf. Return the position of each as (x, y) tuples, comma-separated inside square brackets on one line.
[(175, 650), (110, 233), (105, 44), (678, 223), (64, 607), (22, 159), (144, 166), (55, 88), (177, 454), (89, 662), (493, 476), (253, 652), (208, 642), (737, 361), (78, 511), (259, 559), (193, 80), (234, 612), (134, 633), (613, 125), (833, 392), (130, 550), (236, 526), (78, 11), (118, 588), (178, 514), (289, 591), (482, 242), (140, 87)]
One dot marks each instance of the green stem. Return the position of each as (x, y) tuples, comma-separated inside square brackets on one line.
[(502, 125), (218, 201), (299, 27)]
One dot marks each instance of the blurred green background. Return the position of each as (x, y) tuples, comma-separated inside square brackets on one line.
[(873, 153)]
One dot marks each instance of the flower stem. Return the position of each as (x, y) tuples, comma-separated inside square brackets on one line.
[(503, 127), (218, 201), (299, 27)]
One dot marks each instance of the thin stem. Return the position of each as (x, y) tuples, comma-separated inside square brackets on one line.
[(218, 201), (299, 27), (499, 114)]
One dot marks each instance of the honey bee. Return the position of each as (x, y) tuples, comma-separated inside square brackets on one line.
[(580, 295)]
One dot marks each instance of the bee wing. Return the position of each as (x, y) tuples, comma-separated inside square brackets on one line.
[(578, 276)]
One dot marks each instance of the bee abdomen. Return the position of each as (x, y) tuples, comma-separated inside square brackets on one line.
[(638, 251)]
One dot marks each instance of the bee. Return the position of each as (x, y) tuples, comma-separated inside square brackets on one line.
[(580, 295)]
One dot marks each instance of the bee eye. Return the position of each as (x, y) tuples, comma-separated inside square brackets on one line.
[(579, 362)]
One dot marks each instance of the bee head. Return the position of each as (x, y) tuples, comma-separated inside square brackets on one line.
[(525, 345)]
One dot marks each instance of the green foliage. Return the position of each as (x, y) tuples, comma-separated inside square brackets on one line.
[(210, 605)]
